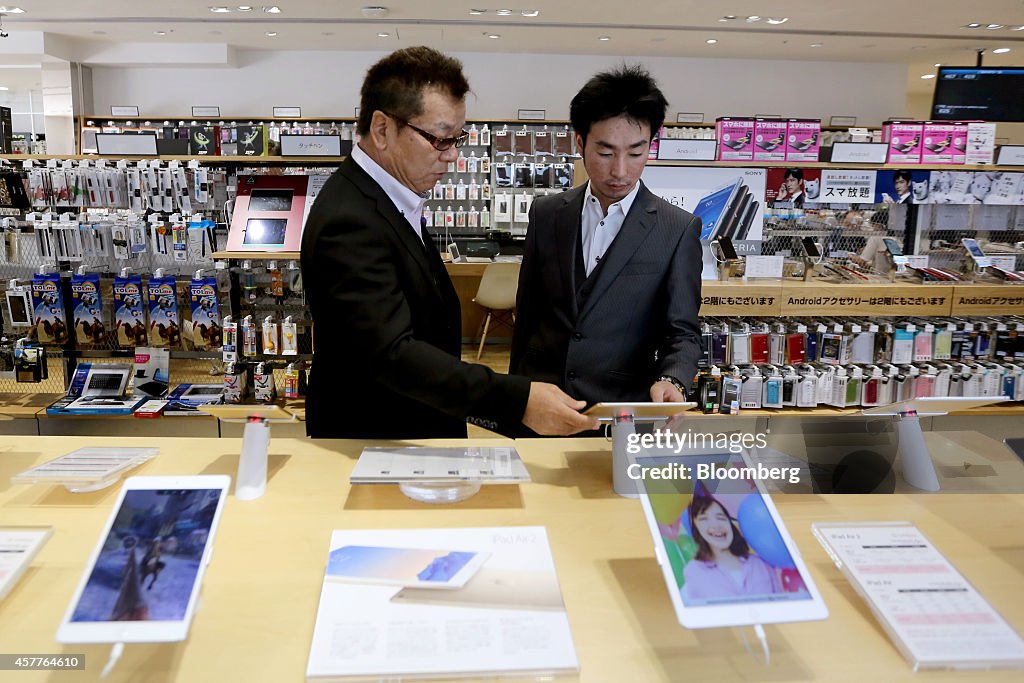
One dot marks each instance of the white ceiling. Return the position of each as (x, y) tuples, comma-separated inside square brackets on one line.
[(913, 33)]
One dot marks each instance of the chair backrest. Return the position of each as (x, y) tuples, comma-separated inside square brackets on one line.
[(498, 286)]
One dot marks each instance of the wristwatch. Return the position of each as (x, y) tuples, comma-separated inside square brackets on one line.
[(674, 382)]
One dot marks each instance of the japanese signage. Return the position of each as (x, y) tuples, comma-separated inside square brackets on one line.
[(725, 298), (799, 299), (988, 300), (851, 187)]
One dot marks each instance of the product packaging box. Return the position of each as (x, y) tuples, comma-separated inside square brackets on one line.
[(735, 138), (981, 143), (944, 142), (252, 141), (206, 323), (204, 140), (152, 371), (164, 322), (904, 139), (87, 310), (803, 139), (50, 316), (129, 311), (769, 139)]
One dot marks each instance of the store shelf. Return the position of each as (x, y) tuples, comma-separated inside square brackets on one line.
[(302, 161), (257, 255), (798, 298), (837, 166)]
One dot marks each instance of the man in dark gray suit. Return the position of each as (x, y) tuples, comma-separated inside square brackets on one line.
[(610, 284)]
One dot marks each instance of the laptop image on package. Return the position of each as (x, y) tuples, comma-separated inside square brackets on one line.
[(104, 391)]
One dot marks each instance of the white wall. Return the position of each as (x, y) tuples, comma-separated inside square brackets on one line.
[(327, 84)]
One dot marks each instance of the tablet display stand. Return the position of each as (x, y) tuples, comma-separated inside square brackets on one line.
[(439, 492), (623, 423), (251, 480), (915, 459)]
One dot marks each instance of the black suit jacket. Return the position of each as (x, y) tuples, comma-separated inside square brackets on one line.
[(388, 327), (609, 336)]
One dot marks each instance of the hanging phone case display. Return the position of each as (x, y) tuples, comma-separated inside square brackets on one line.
[(269, 213), (206, 322), (87, 310), (50, 314), (164, 322)]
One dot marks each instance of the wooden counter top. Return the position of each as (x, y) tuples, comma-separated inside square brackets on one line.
[(261, 590)]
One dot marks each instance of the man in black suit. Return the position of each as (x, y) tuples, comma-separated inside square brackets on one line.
[(610, 284), (387, 321)]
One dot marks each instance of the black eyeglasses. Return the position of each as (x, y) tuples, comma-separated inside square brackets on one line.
[(440, 144)]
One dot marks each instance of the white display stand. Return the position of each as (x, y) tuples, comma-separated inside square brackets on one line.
[(623, 418), (251, 479), (916, 461)]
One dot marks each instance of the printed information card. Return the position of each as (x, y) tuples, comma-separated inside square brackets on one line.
[(936, 618), (18, 545)]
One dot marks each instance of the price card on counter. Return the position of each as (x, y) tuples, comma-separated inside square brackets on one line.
[(935, 617), (764, 267)]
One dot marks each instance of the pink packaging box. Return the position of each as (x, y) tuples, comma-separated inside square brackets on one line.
[(735, 138), (904, 138), (803, 139), (944, 142), (769, 139)]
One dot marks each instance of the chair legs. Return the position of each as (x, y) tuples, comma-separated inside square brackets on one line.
[(483, 337)]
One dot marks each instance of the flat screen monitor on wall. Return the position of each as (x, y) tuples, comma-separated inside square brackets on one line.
[(967, 93)]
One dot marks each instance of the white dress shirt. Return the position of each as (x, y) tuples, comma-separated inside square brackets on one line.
[(409, 203), (599, 229)]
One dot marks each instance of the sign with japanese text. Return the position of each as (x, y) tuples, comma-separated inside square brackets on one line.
[(851, 187), (310, 145), (800, 299), (726, 298), (988, 300)]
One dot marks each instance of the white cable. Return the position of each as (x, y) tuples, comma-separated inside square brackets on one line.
[(759, 630), (115, 654)]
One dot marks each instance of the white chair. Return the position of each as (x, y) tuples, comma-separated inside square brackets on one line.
[(497, 294)]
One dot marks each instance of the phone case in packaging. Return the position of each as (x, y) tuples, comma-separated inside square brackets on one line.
[(923, 344), (759, 348), (777, 348), (772, 397), (731, 387), (903, 346), (752, 390), (796, 348), (807, 391), (740, 348), (87, 310), (942, 345), (164, 320), (862, 350), (49, 312), (719, 347)]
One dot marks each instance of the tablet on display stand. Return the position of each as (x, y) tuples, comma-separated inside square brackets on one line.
[(915, 459), (711, 519), (142, 580), (623, 418)]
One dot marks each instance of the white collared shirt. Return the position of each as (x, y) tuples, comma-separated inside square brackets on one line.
[(409, 203), (599, 229)]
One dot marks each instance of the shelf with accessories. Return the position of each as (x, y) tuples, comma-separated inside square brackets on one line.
[(211, 160)]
